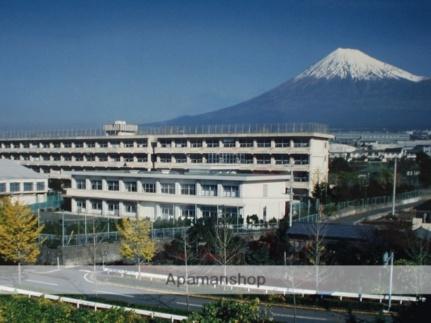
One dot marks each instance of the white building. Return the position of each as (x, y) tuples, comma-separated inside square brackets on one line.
[(167, 195), (22, 184), (280, 148)]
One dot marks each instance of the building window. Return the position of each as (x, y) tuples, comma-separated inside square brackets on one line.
[(103, 158), (196, 159), (80, 205), (79, 158), (209, 211), (130, 207), (103, 144), (40, 186), (301, 143), (196, 143), (229, 142), (188, 211), (67, 145), (168, 188), (113, 186), (68, 158), (57, 145), (246, 143), (188, 189), (96, 205), (181, 143), (167, 211), (230, 190), (149, 187), (90, 157), (2, 187), (181, 159), (263, 160), (91, 144), (79, 144), (128, 144), (212, 143), (282, 160), (209, 190), (165, 158), (28, 187), (131, 186), (113, 207), (280, 143), (96, 184), (264, 143), (165, 143), (80, 184), (129, 159)]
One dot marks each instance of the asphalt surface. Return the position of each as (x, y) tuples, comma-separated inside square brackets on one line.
[(83, 280)]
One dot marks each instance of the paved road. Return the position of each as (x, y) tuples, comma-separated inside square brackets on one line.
[(357, 218), (82, 279)]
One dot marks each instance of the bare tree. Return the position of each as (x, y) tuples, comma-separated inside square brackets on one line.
[(228, 248)]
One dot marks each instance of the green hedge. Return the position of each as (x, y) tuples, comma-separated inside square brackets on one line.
[(23, 309)]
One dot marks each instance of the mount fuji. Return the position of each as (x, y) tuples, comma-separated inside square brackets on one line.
[(346, 90)]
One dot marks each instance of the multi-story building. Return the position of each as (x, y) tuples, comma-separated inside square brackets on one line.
[(22, 184), (300, 149), (172, 195)]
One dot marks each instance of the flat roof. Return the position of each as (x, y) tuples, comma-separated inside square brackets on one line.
[(229, 176), (10, 169)]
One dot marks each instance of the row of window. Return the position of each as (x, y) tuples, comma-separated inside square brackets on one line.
[(15, 187), (77, 144), (100, 158), (223, 158), (231, 142), (165, 188), (112, 207)]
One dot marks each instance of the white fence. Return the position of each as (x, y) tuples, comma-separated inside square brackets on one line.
[(279, 290)]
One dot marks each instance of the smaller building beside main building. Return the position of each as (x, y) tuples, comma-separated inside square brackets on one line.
[(173, 195), (22, 184)]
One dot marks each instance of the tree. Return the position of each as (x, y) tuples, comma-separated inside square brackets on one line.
[(136, 243), (19, 234), (230, 311)]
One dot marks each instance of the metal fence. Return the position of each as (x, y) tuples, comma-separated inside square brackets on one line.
[(172, 130), (53, 201), (374, 201)]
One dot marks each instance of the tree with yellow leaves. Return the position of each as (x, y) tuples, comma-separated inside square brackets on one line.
[(136, 243), (19, 234)]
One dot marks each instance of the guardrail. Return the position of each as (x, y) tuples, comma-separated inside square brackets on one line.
[(280, 290), (94, 305)]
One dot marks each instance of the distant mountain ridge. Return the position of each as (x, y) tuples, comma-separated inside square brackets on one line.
[(346, 90)]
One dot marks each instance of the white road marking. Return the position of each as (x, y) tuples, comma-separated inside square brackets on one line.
[(112, 293), (41, 282), (85, 271), (190, 304), (87, 279)]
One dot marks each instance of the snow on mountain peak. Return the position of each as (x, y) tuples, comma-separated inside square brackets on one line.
[(352, 63)]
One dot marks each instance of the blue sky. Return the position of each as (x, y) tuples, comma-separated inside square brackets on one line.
[(81, 63)]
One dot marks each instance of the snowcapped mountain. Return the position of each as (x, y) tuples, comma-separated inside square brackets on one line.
[(352, 63), (347, 89)]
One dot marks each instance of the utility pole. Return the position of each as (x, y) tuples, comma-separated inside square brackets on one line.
[(94, 245), (394, 188), (293, 293), (185, 263), (291, 195), (388, 259)]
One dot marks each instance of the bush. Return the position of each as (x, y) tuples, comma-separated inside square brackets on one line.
[(22, 309)]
